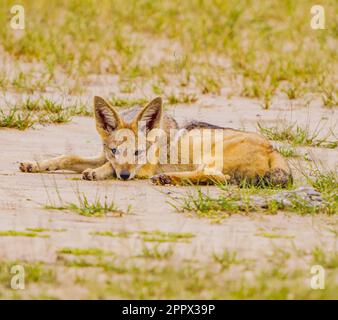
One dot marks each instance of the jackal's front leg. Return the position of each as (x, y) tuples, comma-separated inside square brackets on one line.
[(73, 163), (100, 173), (190, 177)]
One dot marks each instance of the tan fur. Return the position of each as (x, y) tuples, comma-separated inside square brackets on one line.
[(244, 156)]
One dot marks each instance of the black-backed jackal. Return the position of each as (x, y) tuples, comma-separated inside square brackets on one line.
[(146, 143)]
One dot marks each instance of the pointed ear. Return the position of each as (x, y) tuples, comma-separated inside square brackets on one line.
[(151, 114), (107, 119)]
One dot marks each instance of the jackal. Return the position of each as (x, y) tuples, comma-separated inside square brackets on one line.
[(171, 155)]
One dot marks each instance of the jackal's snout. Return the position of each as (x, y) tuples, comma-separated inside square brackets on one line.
[(124, 174)]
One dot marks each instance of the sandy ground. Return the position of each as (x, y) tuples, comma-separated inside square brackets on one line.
[(22, 196)]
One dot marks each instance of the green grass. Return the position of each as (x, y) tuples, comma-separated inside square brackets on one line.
[(14, 233), (328, 260), (35, 272), (217, 208), (156, 252), (288, 152), (96, 208), (181, 98), (39, 230), (323, 181), (28, 113), (238, 199), (149, 236), (15, 119), (160, 236), (85, 207), (28, 81), (226, 259), (330, 97), (327, 183), (274, 235), (204, 205), (119, 234), (260, 52), (90, 275), (84, 252), (298, 136), (293, 91), (127, 102)]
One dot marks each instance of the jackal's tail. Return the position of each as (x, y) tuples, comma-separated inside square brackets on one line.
[(280, 173)]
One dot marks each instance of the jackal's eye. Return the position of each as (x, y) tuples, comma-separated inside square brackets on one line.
[(113, 151), (138, 152)]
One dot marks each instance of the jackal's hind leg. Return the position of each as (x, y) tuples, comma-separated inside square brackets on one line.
[(73, 163), (190, 177), (99, 173)]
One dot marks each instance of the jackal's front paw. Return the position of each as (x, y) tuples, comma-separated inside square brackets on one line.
[(29, 167), (161, 179), (89, 174)]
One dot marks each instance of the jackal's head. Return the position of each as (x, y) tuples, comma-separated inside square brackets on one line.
[(125, 143)]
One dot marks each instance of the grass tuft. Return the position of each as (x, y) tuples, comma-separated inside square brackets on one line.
[(288, 152), (181, 98), (156, 252), (297, 136), (226, 259), (126, 103), (25, 115), (84, 252), (88, 208), (160, 236), (14, 233)]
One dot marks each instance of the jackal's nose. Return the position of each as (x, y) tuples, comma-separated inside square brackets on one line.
[(124, 174)]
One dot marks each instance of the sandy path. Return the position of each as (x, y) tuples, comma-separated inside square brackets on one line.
[(23, 195)]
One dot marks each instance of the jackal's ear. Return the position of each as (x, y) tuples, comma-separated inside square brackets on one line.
[(107, 118), (151, 114)]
